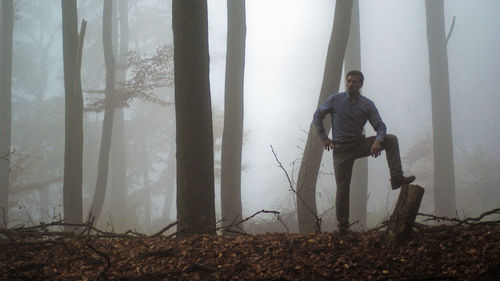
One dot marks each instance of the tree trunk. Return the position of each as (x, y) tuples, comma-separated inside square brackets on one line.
[(313, 151), (232, 137), (359, 182), (118, 152), (194, 131), (5, 106), (104, 151), (403, 217), (168, 178), (146, 181), (444, 172), (41, 114), (73, 147)]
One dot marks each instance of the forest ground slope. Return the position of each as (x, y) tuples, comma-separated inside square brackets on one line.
[(445, 252)]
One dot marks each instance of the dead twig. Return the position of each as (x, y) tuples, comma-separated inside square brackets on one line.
[(457, 222), (467, 221), (451, 29), (318, 219), (166, 228), (229, 227), (46, 231)]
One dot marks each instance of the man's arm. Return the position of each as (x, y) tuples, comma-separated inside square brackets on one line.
[(379, 127), (319, 115)]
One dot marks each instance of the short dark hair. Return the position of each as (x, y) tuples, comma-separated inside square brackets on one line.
[(355, 73)]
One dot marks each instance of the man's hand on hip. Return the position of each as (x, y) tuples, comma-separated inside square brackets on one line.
[(328, 144), (376, 149)]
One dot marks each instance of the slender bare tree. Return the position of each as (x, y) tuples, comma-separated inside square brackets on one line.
[(444, 171), (118, 159), (6, 36), (232, 137), (107, 125), (313, 151)]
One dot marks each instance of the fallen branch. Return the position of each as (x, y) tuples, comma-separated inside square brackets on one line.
[(458, 222), (467, 221), (45, 231), (166, 228)]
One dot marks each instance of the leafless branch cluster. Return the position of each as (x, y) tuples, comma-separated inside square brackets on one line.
[(51, 232), (466, 221), (455, 222), (7, 156)]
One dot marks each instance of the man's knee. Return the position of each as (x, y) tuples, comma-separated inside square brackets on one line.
[(390, 139)]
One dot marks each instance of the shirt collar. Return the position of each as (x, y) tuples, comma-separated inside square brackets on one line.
[(352, 99)]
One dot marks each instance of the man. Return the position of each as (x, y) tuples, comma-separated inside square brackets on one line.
[(349, 112)]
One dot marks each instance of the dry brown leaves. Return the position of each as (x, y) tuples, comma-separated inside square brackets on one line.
[(433, 253)]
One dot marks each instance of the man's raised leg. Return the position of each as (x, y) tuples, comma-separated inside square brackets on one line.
[(391, 147)]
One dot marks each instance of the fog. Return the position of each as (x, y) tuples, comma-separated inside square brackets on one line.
[(286, 48)]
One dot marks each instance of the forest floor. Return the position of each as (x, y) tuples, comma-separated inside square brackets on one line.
[(445, 252)]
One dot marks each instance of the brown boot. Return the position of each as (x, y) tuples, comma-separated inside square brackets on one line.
[(399, 181)]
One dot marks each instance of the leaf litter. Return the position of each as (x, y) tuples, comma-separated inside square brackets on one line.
[(460, 252)]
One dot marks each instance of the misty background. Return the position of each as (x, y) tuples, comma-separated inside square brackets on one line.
[(286, 47)]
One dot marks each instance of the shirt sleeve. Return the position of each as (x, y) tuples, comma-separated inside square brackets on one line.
[(319, 115), (377, 123)]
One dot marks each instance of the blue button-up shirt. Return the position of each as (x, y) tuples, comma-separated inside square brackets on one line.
[(348, 116)]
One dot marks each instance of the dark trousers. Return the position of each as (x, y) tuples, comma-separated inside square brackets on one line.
[(344, 155)]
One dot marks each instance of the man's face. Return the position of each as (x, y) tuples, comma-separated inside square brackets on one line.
[(353, 84)]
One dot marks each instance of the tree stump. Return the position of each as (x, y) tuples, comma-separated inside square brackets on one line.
[(403, 217)]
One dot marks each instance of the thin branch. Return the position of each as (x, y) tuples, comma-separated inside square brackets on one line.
[(451, 30), (232, 225), (318, 219), (457, 222), (467, 221), (74, 230), (165, 229), (5, 157)]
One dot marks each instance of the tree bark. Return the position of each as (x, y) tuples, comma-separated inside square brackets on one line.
[(359, 182), (313, 151), (118, 155), (73, 148), (6, 36), (107, 126), (194, 131), (403, 217), (444, 171), (232, 137), (168, 177)]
